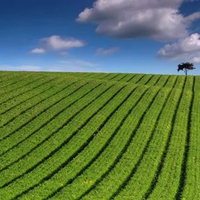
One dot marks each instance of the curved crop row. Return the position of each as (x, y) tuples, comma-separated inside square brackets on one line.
[(80, 119), (52, 102), (24, 84), (170, 177), (108, 158), (131, 159), (99, 136), (141, 180), (66, 104), (100, 140), (15, 103), (190, 183)]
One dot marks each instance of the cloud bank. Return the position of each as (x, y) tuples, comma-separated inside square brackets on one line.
[(56, 43), (187, 48), (156, 19), (159, 20)]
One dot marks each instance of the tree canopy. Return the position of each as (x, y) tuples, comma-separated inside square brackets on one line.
[(185, 67)]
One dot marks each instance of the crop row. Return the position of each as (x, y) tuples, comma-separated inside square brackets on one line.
[(170, 174), (100, 139), (20, 104), (52, 101), (88, 177), (103, 187), (7, 79), (10, 79), (109, 158), (190, 183), (68, 191), (39, 136), (99, 118), (20, 86), (56, 137), (63, 103), (143, 79), (127, 166), (99, 136)]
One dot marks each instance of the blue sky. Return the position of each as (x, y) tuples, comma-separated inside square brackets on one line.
[(128, 36)]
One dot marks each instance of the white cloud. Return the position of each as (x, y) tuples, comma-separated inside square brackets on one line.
[(155, 19), (196, 59), (187, 48), (38, 51), (192, 17), (102, 51), (56, 43)]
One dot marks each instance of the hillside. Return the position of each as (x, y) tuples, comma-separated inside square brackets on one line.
[(97, 136)]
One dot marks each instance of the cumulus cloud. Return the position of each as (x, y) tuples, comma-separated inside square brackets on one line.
[(156, 19), (102, 51), (187, 48), (56, 43)]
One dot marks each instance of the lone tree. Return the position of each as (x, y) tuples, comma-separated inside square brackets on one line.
[(185, 67)]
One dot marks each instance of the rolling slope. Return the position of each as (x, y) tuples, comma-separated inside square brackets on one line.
[(99, 136)]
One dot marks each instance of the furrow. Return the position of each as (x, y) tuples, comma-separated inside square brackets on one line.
[(169, 170), (183, 174), (7, 79), (130, 77), (105, 161), (87, 143), (25, 120), (192, 180), (39, 143), (58, 91), (155, 84), (145, 80), (104, 129), (141, 175), (139, 78), (166, 120), (56, 111), (112, 77), (153, 80), (60, 147), (13, 103), (166, 81), (119, 77), (105, 186), (33, 102), (21, 89), (162, 80)]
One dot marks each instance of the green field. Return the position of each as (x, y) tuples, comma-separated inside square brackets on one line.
[(97, 136)]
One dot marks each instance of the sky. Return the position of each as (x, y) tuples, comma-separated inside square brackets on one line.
[(126, 36)]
